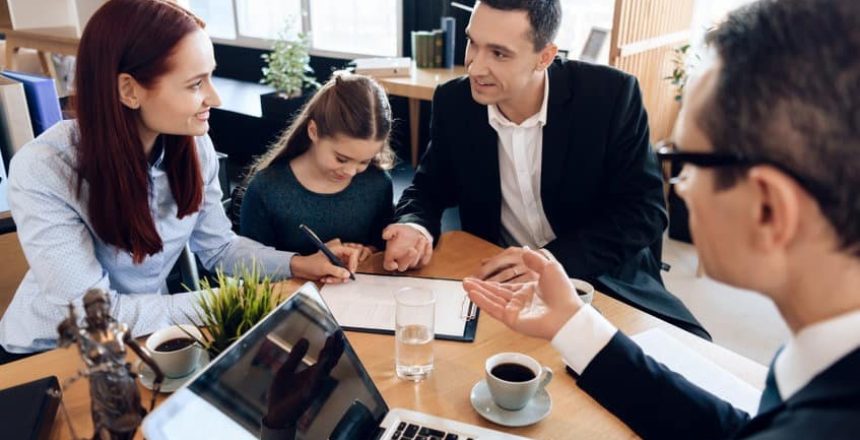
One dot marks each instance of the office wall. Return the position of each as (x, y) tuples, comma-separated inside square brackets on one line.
[(41, 13)]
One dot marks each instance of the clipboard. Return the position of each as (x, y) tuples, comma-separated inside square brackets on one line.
[(367, 305)]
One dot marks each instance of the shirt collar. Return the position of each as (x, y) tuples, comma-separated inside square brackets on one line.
[(157, 157), (497, 119), (813, 350)]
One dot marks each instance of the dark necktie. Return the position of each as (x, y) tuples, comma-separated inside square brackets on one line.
[(770, 398)]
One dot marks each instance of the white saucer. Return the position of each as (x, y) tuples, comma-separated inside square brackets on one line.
[(170, 384), (538, 408)]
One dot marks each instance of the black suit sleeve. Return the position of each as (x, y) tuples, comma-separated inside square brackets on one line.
[(654, 401), (631, 215), (384, 216), (432, 189)]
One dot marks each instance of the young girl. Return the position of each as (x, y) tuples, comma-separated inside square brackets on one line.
[(327, 172), (111, 199)]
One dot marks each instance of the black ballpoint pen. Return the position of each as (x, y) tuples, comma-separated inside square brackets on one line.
[(325, 250)]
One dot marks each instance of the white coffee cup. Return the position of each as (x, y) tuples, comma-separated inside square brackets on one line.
[(513, 387), (583, 289), (176, 363)]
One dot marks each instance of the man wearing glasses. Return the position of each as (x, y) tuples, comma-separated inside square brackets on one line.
[(770, 138)]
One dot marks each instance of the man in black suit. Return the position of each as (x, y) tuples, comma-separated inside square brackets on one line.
[(770, 134), (545, 154)]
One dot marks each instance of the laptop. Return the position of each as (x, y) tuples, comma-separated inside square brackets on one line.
[(294, 376)]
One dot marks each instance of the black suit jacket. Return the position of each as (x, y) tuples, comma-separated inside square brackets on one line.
[(657, 403), (601, 188)]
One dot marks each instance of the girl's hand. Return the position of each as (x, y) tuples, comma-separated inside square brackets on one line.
[(317, 267)]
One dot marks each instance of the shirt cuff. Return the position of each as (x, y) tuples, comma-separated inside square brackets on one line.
[(582, 337), (422, 230)]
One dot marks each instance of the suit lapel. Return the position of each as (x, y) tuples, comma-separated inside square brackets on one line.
[(556, 133), (483, 160)]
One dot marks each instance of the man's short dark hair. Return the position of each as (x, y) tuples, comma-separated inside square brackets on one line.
[(788, 92), (544, 17)]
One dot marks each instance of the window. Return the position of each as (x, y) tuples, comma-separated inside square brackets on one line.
[(578, 17), (338, 28)]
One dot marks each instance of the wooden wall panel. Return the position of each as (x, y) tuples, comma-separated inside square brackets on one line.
[(644, 35)]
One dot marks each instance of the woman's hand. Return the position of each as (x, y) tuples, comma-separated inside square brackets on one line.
[(317, 267)]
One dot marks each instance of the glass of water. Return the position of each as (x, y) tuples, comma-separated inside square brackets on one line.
[(414, 317)]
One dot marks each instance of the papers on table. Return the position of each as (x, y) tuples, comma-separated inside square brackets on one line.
[(698, 369), (368, 303)]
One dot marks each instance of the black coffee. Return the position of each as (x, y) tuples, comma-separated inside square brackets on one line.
[(174, 344), (580, 292), (513, 372)]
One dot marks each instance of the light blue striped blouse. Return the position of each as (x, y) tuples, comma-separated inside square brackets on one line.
[(66, 257)]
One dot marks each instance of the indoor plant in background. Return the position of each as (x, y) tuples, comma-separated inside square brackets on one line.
[(288, 71), (682, 61), (225, 313)]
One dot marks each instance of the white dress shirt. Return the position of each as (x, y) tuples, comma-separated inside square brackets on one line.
[(814, 349), (524, 222), (67, 257), (806, 354)]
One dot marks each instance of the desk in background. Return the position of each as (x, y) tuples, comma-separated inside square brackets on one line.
[(458, 365), (418, 87)]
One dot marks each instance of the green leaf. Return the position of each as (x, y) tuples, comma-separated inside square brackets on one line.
[(240, 302)]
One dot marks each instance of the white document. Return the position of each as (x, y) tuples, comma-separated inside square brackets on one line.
[(368, 302), (698, 369)]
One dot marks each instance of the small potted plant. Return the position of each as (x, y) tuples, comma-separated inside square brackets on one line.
[(682, 65), (226, 312), (289, 72)]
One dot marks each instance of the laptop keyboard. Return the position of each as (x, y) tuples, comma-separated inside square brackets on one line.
[(411, 431)]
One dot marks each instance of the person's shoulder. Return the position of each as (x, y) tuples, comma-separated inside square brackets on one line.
[(52, 153), (585, 71), (276, 178), (586, 79), (457, 89), (832, 420), (277, 173)]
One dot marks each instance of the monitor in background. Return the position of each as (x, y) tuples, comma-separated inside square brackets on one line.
[(594, 44)]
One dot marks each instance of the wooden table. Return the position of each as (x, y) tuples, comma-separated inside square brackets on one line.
[(61, 40), (418, 87), (458, 365)]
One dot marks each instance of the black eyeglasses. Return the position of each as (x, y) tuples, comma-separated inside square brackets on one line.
[(669, 151)]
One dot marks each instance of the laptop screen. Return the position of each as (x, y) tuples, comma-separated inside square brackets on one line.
[(293, 376)]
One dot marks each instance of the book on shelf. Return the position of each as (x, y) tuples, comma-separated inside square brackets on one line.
[(15, 125), (449, 26), (438, 47), (42, 100)]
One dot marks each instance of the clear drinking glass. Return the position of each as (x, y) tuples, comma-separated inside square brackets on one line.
[(415, 318)]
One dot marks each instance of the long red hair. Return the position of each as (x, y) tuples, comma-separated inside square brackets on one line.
[(135, 37)]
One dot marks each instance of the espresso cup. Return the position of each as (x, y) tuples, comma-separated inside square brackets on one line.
[(514, 378), (169, 349), (584, 290)]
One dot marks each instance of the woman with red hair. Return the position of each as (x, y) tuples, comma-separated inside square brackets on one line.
[(111, 199)]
